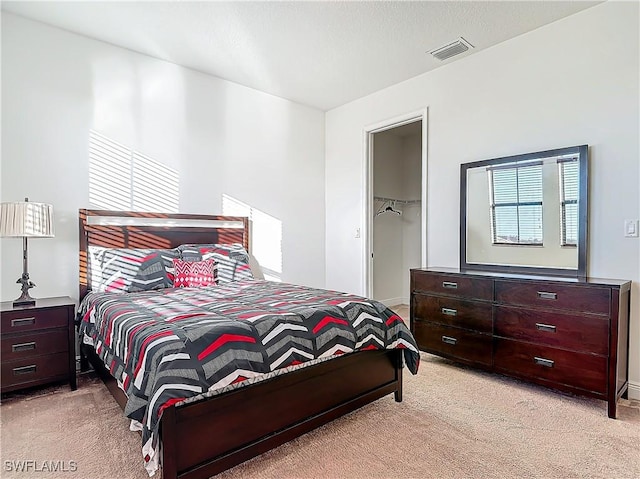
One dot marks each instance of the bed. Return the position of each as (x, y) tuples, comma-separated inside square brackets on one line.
[(203, 435)]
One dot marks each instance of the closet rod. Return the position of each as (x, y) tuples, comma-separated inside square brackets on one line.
[(400, 202)]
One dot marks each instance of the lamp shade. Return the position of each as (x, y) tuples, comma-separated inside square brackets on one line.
[(26, 220)]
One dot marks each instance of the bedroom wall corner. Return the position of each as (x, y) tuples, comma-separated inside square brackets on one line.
[(221, 138), (571, 82)]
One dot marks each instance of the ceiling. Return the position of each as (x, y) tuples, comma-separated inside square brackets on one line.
[(321, 54)]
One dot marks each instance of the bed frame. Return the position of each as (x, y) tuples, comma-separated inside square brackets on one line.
[(204, 438)]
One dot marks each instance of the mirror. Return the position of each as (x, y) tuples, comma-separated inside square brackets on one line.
[(526, 213)]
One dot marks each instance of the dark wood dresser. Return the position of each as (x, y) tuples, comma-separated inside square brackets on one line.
[(37, 343), (563, 333)]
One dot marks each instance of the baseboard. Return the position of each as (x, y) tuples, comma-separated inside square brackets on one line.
[(634, 390), (391, 301), (394, 301)]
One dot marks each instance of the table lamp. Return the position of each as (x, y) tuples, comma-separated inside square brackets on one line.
[(26, 220)]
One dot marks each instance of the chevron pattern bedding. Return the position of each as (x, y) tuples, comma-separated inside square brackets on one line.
[(167, 346)]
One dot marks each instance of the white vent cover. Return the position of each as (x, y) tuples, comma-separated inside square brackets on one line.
[(451, 49)]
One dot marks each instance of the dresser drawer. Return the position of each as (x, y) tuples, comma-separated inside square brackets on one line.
[(589, 334), (555, 296), (33, 319), (584, 371), (464, 286), (454, 342), (454, 312), (35, 370), (35, 344)]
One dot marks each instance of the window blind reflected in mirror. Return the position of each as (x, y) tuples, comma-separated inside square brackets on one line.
[(516, 203)]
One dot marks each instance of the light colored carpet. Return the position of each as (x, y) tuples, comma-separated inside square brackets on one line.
[(56, 424), (454, 422)]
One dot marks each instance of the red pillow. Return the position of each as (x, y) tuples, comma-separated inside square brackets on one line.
[(189, 274)]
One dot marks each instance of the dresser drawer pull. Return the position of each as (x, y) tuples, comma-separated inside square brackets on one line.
[(449, 340), (547, 363), (546, 327), (449, 285), (23, 322), (545, 295), (449, 312), (24, 370), (23, 347)]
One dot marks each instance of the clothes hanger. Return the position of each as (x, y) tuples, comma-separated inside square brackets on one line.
[(390, 208)]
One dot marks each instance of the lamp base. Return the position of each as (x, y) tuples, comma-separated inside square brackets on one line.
[(25, 298), (24, 302)]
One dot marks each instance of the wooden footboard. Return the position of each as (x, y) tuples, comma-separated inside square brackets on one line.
[(209, 436), (205, 438)]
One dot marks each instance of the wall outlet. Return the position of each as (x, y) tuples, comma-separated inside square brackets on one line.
[(631, 228)]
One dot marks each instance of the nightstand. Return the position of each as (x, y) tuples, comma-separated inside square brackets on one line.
[(37, 343)]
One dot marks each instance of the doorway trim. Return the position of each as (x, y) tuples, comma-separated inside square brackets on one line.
[(367, 201)]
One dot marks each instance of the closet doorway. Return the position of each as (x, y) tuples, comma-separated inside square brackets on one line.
[(396, 213)]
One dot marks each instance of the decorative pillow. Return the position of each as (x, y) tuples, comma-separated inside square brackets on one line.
[(232, 260), (126, 270), (193, 274)]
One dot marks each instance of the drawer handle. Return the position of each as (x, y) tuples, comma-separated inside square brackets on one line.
[(449, 312), (449, 285), (546, 327), (449, 340), (546, 295), (547, 363), (23, 322), (23, 347), (24, 370)]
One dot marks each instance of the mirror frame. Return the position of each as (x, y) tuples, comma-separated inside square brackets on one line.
[(583, 216)]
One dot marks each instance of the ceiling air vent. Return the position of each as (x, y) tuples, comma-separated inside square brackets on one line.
[(451, 49)]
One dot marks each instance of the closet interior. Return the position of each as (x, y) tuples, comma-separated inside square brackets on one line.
[(397, 193)]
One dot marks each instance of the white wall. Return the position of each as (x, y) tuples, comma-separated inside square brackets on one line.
[(573, 82), (221, 137)]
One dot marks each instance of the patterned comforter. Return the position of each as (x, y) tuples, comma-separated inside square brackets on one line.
[(167, 346)]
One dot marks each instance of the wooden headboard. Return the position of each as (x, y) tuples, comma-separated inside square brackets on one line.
[(132, 229)]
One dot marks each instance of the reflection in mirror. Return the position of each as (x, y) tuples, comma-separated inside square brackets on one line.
[(526, 213)]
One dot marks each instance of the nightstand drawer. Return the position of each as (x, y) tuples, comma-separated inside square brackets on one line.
[(585, 333), (35, 344), (27, 319), (454, 342), (40, 369), (468, 287), (584, 371), (554, 296)]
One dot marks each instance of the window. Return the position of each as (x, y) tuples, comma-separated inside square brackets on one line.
[(516, 203), (569, 181), (123, 179)]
